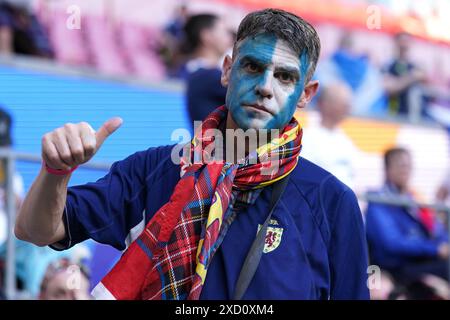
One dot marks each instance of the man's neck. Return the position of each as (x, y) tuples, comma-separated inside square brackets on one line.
[(230, 123), (262, 138)]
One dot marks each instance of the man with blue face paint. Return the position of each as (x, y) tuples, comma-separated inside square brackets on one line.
[(267, 80), (273, 226)]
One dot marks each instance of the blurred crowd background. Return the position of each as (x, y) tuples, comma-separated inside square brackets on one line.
[(380, 123)]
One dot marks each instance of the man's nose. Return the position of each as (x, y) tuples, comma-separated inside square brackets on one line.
[(264, 88)]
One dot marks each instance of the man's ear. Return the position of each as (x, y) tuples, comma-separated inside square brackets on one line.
[(226, 70), (308, 94)]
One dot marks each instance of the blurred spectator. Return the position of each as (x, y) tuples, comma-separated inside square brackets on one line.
[(171, 49), (407, 242), (5, 128), (208, 40), (382, 287), (21, 32), (6, 31), (176, 27), (18, 187), (428, 287), (443, 193), (334, 105), (31, 261), (19, 193), (347, 64), (401, 80), (435, 289), (65, 280)]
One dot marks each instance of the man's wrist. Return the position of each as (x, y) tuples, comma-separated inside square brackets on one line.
[(57, 172)]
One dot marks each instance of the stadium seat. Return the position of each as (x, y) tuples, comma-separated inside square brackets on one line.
[(106, 53), (69, 45), (139, 46)]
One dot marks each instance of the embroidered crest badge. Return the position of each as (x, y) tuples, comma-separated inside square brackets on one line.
[(273, 236)]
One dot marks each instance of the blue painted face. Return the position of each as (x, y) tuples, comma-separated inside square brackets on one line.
[(265, 83)]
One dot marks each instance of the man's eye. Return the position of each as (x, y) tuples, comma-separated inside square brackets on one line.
[(252, 67), (285, 77)]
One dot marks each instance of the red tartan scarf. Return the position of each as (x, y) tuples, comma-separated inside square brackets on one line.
[(170, 259)]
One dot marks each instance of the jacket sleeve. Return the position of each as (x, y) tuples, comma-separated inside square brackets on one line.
[(107, 210), (348, 250)]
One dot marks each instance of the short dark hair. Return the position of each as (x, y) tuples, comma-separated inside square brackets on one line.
[(298, 33), (391, 153), (194, 27)]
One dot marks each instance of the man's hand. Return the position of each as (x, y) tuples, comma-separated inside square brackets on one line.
[(75, 144)]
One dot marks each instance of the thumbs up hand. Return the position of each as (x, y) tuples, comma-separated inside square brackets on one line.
[(74, 144)]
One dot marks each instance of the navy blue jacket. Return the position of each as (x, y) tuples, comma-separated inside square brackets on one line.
[(397, 237), (322, 253)]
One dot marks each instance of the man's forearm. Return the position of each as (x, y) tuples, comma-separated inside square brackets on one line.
[(40, 216)]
